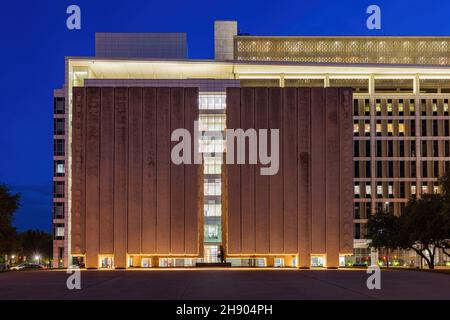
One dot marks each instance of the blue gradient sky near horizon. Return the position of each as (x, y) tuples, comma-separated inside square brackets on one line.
[(35, 41)]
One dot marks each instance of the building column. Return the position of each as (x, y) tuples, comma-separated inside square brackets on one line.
[(91, 261), (332, 261), (304, 261)]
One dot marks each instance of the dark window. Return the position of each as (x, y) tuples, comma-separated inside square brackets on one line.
[(356, 148), (413, 128), (357, 210), (58, 126), (446, 131), (402, 169), (402, 148), (390, 169), (435, 149), (379, 169), (58, 106), (357, 231), (355, 107), (447, 148), (58, 147), (367, 148), (58, 189), (413, 169), (58, 210), (379, 148), (413, 148), (436, 169), (424, 148), (435, 128), (402, 189), (390, 148), (424, 127), (356, 169), (424, 169), (367, 169)]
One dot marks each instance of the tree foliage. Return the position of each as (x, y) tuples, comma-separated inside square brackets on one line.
[(9, 203), (424, 225)]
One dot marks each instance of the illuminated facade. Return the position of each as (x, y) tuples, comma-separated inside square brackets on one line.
[(401, 92)]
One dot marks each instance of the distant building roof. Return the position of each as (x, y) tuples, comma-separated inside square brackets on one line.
[(141, 45)]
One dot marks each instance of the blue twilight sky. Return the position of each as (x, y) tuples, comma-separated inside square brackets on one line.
[(35, 40)]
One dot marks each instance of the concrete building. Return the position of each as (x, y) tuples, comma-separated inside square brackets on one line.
[(401, 144)]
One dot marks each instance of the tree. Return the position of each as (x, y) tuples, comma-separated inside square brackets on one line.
[(9, 203), (423, 226), (36, 242), (383, 229)]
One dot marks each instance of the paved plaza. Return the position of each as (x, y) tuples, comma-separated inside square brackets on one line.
[(218, 284)]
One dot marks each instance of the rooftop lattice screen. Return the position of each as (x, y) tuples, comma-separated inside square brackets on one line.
[(378, 50)]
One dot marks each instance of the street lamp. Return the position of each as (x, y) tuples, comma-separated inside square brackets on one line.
[(37, 258)]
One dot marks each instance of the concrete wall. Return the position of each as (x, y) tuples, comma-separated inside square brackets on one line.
[(307, 208), (128, 197)]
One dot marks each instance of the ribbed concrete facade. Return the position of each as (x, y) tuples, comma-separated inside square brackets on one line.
[(307, 207), (128, 198)]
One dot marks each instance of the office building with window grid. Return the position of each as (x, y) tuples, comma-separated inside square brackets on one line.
[(400, 109)]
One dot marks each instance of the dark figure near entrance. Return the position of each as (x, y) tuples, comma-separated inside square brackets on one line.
[(221, 255)]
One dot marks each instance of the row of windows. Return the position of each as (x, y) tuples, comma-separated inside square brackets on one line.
[(212, 187), (212, 101), (212, 122), (400, 169), (402, 127), (401, 107), (212, 165), (212, 209), (400, 148), (392, 189)]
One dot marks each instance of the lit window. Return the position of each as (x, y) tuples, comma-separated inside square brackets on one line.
[(59, 232), (424, 188), (357, 190), (413, 189), (378, 127), (389, 107), (378, 107), (401, 128), (436, 189), (356, 128), (213, 187), (390, 190), (367, 128), (213, 209), (368, 189), (400, 108), (390, 128), (212, 101), (379, 190)]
